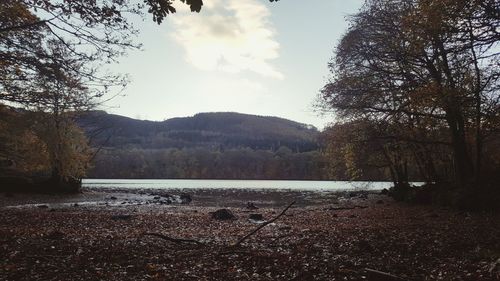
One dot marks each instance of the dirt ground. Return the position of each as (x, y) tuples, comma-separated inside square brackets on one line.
[(99, 235)]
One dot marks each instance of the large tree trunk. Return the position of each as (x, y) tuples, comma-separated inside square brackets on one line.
[(463, 166), (58, 183)]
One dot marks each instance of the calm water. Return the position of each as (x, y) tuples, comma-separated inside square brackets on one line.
[(236, 184)]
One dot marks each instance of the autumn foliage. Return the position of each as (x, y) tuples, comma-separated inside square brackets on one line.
[(423, 77)]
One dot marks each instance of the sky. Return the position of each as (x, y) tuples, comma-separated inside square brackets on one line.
[(247, 56)]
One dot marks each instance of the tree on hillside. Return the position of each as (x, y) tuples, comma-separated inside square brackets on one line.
[(425, 67)]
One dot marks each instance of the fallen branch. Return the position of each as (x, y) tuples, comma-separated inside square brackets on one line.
[(263, 225), (346, 208), (234, 253), (340, 208), (174, 240), (380, 275)]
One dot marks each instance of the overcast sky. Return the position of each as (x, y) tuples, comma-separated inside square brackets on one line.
[(248, 56)]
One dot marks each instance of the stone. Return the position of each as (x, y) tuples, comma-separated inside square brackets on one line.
[(251, 206), (185, 198), (121, 217), (363, 196), (384, 191), (223, 214), (257, 217)]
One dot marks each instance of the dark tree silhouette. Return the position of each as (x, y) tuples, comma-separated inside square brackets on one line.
[(429, 71)]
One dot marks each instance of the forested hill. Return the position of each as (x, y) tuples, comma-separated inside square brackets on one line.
[(221, 130), (208, 145)]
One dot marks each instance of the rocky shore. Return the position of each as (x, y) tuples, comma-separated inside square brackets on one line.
[(174, 235)]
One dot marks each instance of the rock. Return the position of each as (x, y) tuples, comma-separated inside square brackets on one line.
[(257, 217), (384, 191), (157, 197), (75, 205), (121, 217), (113, 198), (363, 196), (185, 198), (251, 206), (223, 214), (165, 202), (43, 206)]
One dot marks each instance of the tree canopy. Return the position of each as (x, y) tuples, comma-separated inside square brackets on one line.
[(426, 74), (53, 60)]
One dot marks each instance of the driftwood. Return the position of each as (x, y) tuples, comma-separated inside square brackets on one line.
[(183, 240), (263, 225), (346, 208), (375, 275), (174, 240)]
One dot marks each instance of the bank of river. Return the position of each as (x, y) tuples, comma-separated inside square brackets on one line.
[(98, 235)]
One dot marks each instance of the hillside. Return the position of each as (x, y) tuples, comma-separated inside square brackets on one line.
[(224, 130), (221, 145)]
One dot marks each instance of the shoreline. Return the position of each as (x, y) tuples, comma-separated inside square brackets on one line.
[(202, 197), (323, 237)]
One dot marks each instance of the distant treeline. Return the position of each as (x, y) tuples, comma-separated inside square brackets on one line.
[(200, 163), (237, 163), (222, 145)]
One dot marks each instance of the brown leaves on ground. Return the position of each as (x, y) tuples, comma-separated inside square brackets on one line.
[(307, 243)]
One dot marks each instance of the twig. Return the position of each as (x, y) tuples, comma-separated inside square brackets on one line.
[(171, 239), (380, 275), (346, 208), (262, 225), (340, 208)]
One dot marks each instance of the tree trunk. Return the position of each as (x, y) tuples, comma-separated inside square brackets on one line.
[(463, 167)]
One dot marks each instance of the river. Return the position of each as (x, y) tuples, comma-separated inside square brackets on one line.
[(235, 184)]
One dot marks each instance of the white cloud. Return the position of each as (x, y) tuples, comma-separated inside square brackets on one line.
[(229, 35)]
